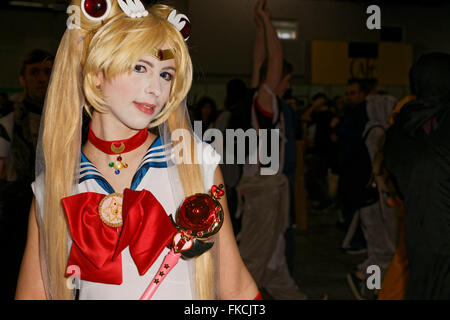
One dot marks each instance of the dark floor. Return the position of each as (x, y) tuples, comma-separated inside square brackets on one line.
[(320, 266)]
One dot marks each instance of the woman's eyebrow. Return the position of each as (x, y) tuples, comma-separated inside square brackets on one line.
[(170, 68), (151, 65), (147, 62)]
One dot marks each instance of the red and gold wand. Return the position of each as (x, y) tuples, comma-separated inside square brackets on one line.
[(199, 217)]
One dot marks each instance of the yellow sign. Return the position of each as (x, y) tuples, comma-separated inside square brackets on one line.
[(331, 64)]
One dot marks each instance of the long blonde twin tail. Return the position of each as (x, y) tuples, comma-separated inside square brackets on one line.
[(192, 182), (61, 146)]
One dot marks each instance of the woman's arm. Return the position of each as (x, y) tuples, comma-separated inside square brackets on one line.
[(259, 49), (274, 51), (30, 285), (235, 280)]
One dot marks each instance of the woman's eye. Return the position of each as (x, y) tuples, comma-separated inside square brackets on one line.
[(140, 68), (166, 76)]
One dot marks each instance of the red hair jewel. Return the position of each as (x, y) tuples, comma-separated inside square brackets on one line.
[(181, 22), (96, 10)]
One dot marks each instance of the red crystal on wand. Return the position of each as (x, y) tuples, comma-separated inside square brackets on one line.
[(197, 213), (201, 214), (217, 191), (180, 244)]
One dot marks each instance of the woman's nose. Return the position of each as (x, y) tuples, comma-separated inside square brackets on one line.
[(153, 86)]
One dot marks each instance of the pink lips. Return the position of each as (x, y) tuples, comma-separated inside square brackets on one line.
[(144, 107)]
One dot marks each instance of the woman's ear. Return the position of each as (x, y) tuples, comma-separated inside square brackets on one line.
[(99, 79)]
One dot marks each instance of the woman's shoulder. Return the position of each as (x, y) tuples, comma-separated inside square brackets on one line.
[(207, 153)]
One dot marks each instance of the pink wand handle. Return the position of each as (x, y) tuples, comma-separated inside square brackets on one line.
[(170, 260)]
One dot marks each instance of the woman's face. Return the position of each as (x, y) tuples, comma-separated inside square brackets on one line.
[(136, 98)]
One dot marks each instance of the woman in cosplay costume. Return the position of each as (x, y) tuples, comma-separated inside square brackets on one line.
[(121, 213)]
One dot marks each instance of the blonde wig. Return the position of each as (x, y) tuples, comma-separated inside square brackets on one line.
[(111, 46)]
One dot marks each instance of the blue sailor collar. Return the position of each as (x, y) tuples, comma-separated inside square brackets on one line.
[(156, 157)]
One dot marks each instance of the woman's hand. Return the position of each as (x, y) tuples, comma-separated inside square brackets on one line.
[(261, 10), (258, 19)]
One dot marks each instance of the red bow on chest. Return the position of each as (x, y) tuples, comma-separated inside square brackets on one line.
[(97, 247)]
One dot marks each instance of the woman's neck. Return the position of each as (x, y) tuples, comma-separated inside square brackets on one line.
[(109, 128), (112, 131)]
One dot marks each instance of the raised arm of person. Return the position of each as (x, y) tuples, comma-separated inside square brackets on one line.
[(30, 285), (259, 48), (272, 77), (236, 283)]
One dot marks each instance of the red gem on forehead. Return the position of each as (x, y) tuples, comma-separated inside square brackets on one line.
[(160, 54), (95, 8)]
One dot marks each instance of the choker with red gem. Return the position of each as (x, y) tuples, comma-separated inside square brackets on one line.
[(118, 147)]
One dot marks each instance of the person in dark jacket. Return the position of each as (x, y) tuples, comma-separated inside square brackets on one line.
[(417, 153)]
